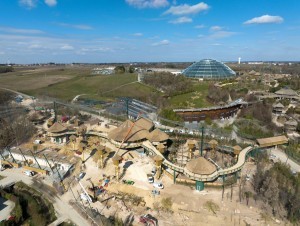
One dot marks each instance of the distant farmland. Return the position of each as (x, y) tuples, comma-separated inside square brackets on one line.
[(67, 82)]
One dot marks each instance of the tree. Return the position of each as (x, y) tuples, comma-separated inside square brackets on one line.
[(120, 69), (166, 204), (248, 194), (131, 69), (211, 206)]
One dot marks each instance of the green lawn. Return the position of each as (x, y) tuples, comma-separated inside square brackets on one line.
[(96, 87)]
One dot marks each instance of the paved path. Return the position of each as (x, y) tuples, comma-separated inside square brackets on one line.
[(61, 204), (280, 155)]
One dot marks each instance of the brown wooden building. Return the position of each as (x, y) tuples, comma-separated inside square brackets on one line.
[(200, 114)]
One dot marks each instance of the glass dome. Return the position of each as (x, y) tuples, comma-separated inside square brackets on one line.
[(209, 69)]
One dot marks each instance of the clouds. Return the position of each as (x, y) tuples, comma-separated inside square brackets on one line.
[(161, 43), (218, 32), (186, 9), (76, 26), (265, 19), (51, 3), (67, 47), (138, 34), (30, 4), (181, 20), (20, 31), (148, 3), (215, 28)]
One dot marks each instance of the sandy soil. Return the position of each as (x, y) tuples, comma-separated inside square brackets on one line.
[(188, 204)]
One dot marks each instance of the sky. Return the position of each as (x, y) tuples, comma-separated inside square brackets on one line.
[(104, 31)]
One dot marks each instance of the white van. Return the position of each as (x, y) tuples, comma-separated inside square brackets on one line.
[(28, 173)]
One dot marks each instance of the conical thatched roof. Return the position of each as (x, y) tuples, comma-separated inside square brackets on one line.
[(136, 134), (72, 138), (278, 105), (57, 128), (116, 158), (158, 136), (287, 92), (157, 158), (201, 166), (237, 147), (252, 72), (144, 123), (213, 142), (160, 146)]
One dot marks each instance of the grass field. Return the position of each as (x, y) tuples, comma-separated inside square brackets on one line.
[(66, 82), (196, 99), (96, 87)]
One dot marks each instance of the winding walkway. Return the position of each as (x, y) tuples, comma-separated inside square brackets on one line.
[(199, 177)]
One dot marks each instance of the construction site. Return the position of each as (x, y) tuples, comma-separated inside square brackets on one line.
[(130, 168)]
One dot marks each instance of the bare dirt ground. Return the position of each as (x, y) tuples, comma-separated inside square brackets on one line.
[(188, 204)]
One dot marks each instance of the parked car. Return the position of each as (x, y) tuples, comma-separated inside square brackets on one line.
[(85, 197), (29, 173), (81, 175), (153, 171), (150, 178), (158, 185)]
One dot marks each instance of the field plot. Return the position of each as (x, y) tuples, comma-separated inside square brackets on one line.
[(24, 79), (195, 99), (96, 87)]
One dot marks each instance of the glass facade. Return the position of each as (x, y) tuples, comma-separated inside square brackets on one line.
[(209, 69)]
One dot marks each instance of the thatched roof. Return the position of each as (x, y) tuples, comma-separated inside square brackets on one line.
[(201, 166), (158, 136), (160, 146), (190, 141), (252, 72), (94, 121), (272, 141), (287, 92), (158, 158), (57, 128), (72, 137), (213, 142), (278, 105), (144, 123), (136, 134), (291, 123), (237, 147)]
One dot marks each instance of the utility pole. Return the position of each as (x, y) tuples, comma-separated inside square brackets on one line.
[(127, 106), (55, 112), (202, 138)]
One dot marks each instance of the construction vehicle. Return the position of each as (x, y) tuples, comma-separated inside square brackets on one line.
[(129, 182)]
